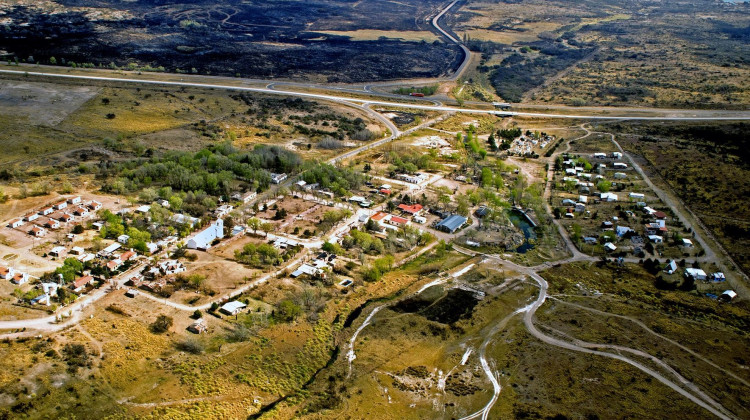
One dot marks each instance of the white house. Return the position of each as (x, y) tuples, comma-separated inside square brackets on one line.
[(233, 308), (74, 200), (123, 239), (728, 296), (620, 175), (414, 179), (583, 199), (655, 239), (580, 207), (600, 155), (6, 273), (61, 205), (616, 155), (20, 278), (695, 273), (37, 231), (636, 196), (184, 219), (57, 251), (610, 247), (15, 223), (223, 210), (608, 196), (249, 196), (204, 238), (278, 178), (620, 165), (687, 243), (671, 267), (110, 249), (622, 230)]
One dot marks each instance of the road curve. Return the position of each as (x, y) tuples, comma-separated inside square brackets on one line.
[(314, 96), (467, 53)]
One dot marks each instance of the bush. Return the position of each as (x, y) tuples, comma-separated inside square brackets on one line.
[(197, 314), (287, 310), (191, 345), (78, 229), (162, 324)]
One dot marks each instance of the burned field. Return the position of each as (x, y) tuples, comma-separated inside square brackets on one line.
[(269, 39)]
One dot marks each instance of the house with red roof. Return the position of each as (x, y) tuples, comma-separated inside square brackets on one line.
[(413, 209), (81, 282)]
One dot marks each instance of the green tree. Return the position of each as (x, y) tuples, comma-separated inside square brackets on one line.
[(287, 310), (162, 324)]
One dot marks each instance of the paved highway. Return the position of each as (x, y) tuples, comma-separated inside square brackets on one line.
[(340, 99)]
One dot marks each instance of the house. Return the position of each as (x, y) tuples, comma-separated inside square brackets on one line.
[(237, 229), (20, 278), (15, 223), (57, 251), (451, 223), (37, 231), (43, 298), (580, 208), (94, 205), (600, 155), (152, 247), (170, 267), (110, 249), (398, 221), (728, 296), (656, 229), (622, 230), (608, 196), (305, 269), (80, 211), (184, 219), (86, 257), (655, 239), (47, 210), (198, 327), (31, 217), (143, 209), (379, 216), (607, 225), (385, 191), (569, 213), (589, 240), (414, 209), (616, 155), (636, 196), (687, 243), (51, 224), (620, 175), (6, 273), (63, 217), (74, 200), (300, 184), (80, 283), (414, 179), (97, 226), (695, 273), (61, 205), (671, 267), (223, 210), (131, 293), (77, 250), (114, 264), (610, 247), (570, 171), (164, 203), (583, 199), (419, 219), (659, 215), (718, 277), (128, 255), (123, 239), (249, 196), (620, 165), (278, 178), (204, 238), (482, 211), (232, 308), (568, 202)]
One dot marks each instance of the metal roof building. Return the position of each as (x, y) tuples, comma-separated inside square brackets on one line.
[(451, 223)]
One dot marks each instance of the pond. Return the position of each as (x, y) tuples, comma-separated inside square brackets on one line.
[(520, 221)]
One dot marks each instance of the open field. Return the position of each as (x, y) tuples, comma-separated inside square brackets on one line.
[(68, 124), (609, 53)]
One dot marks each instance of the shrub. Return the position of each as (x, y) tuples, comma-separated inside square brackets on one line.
[(191, 345), (162, 324)]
